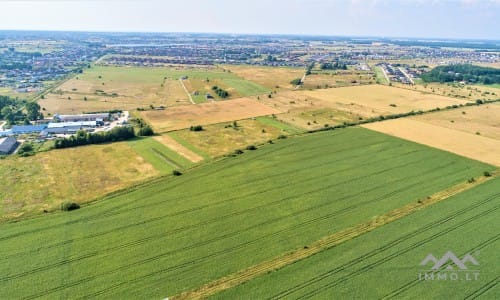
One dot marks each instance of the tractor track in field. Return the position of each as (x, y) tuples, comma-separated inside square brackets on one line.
[(323, 244), (413, 283), (382, 248), (185, 228), (207, 222), (176, 267), (485, 288), (394, 255), (122, 210)]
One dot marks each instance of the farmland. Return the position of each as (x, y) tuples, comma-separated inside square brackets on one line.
[(463, 143), (385, 262), (313, 109), (32, 184), (483, 120), (207, 113), (271, 77), (105, 88), (219, 139), (216, 218)]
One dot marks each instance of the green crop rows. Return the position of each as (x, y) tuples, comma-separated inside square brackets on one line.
[(180, 232)]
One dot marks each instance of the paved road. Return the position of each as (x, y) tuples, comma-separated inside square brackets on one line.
[(406, 75), (185, 90)]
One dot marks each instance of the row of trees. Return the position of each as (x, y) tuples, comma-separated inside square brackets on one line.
[(333, 66), (120, 133), (463, 72), (222, 93)]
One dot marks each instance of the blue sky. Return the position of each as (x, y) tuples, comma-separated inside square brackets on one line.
[(390, 18)]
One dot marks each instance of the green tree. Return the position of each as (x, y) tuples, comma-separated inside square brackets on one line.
[(33, 111)]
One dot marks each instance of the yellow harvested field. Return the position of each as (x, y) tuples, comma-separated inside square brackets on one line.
[(316, 108), (270, 77), (181, 117), (54, 103), (380, 98), (177, 147), (455, 90), (81, 174), (462, 143), (484, 119)]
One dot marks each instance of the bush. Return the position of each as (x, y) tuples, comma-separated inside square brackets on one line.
[(196, 128), (282, 137), (471, 180), (487, 174), (176, 173), (145, 131), (68, 206), (251, 147), (238, 151)]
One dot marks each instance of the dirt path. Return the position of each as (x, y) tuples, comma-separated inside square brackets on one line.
[(175, 146), (187, 92), (252, 272)]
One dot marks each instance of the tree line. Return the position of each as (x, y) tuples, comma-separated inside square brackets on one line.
[(120, 133), (463, 72)]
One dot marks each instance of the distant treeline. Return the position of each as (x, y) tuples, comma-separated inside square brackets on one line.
[(82, 137), (333, 66), (463, 72)]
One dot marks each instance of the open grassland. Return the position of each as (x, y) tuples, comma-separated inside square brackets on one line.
[(32, 184), (455, 90), (463, 143), (219, 139), (181, 117), (338, 78), (164, 159), (385, 263), (273, 78), (173, 145), (107, 88), (483, 120), (178, 233), (317, 108)]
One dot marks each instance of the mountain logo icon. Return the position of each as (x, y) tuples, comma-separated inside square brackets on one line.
[(449, 260)]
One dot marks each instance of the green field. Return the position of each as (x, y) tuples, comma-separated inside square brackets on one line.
[(177, 233), (161, 157), (385, 263)]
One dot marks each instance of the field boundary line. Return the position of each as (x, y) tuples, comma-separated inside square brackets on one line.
[(325, 243), (185, 90)]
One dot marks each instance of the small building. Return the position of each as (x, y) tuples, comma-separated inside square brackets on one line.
[(25, 129), (81, 117), (8, 145)]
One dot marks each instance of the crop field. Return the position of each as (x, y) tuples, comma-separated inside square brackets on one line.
[(164, 159), (219, 139), (178, 233), (181, 117), (385, 263), (339, 78), (455, 90), (32, 184), (317, 108), (463, 143), (106, 88), (483, 120), (174, 145), (273, 78)]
